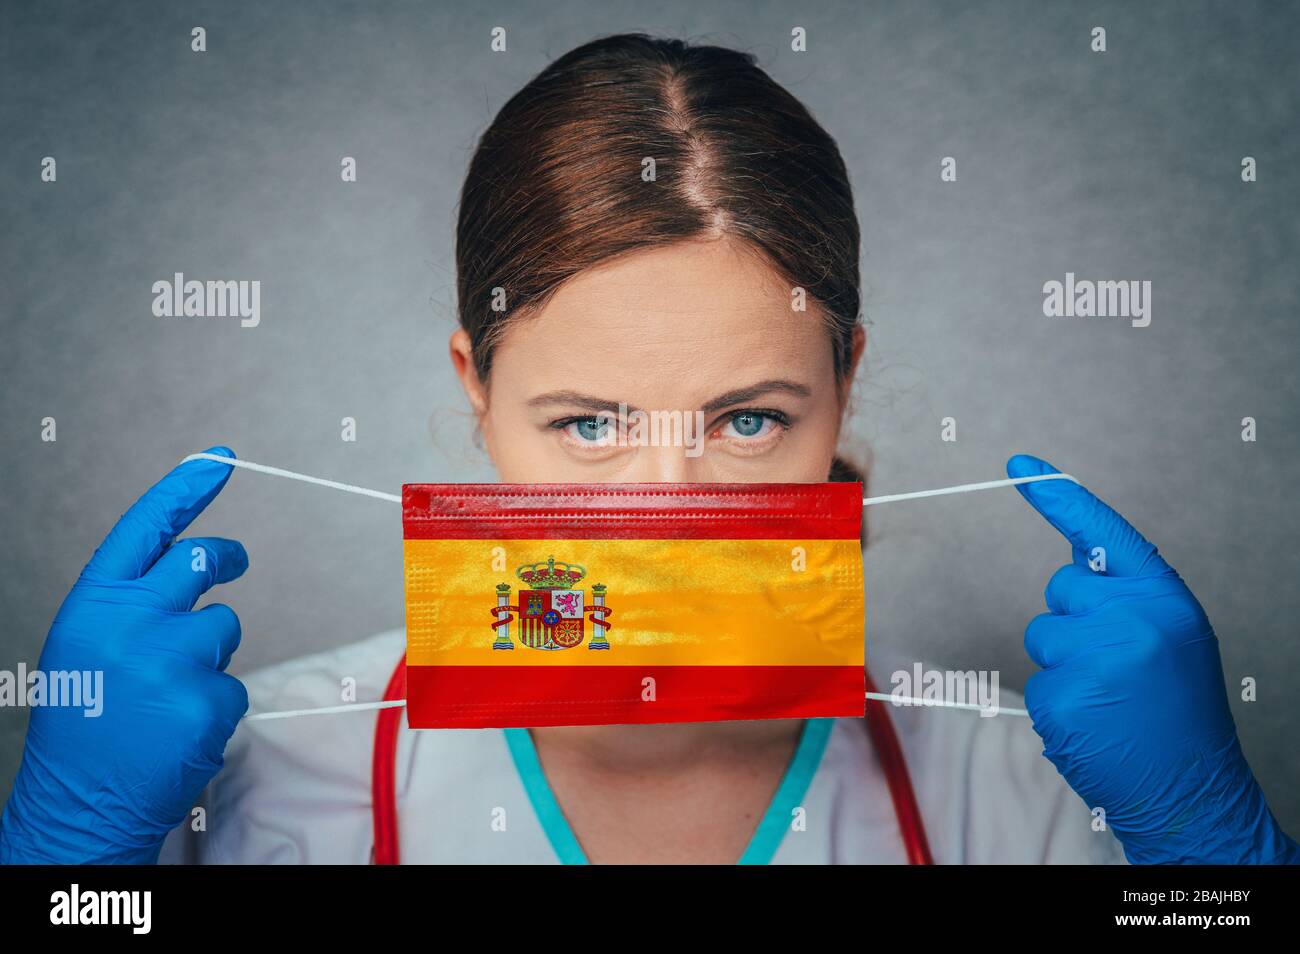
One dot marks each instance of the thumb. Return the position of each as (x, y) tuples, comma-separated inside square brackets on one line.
[(1086, 521)]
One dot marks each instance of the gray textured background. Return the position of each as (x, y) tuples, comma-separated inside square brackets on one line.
[(226, 165)]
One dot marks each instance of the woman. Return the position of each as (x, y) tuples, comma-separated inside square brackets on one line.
[(640, 227)]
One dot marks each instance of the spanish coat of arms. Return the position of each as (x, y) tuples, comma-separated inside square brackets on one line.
[(552, 611)]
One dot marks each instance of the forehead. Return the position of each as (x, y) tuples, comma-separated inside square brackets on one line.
[(687, 320)]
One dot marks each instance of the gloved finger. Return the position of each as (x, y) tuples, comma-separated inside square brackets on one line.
[(209, 716), (191, 567), (1086, 521), (1077, 589), (1051, 640), (210, 636), (153, 521), (232, 702), (1045, 692)]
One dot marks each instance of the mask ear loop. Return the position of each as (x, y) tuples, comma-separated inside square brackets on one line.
[(391, 702)]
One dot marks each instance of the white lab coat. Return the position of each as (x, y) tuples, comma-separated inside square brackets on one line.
[(297, 791)]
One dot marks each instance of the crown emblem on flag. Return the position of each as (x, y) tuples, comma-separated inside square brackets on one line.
[(552, 610), (551, 575)]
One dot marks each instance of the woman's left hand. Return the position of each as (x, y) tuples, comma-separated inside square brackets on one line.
[(1130, 702)]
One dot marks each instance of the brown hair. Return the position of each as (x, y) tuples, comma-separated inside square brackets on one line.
[(555, 185)]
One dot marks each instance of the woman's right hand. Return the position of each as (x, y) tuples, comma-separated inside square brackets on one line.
[(106, 786)]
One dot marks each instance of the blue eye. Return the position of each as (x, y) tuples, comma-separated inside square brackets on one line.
[(589, 429), (749, 424)]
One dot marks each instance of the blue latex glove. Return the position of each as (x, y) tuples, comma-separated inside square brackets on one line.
[(1131, 703), (107, 790)]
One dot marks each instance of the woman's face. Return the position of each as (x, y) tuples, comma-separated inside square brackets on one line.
[(680, 364)]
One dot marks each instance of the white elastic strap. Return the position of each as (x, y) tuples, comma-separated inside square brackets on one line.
[(323, 710), (965, 488), (908, 701), (394, 498), (900, 701), (277, 472)]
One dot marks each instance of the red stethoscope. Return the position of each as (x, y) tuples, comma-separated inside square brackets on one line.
[(383, 782)]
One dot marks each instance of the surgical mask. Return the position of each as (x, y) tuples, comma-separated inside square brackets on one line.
[(599, 604)]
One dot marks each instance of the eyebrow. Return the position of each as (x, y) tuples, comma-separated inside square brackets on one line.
[(738, 396)]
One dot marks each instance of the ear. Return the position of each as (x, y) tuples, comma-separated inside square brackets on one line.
[(462, 360)]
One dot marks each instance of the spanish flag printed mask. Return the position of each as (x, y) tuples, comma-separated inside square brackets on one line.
[(595, 604)]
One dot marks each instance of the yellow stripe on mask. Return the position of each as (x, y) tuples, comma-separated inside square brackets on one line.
[(672, 602)]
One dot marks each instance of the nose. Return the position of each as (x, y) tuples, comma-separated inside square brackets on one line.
[(661, 465)]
